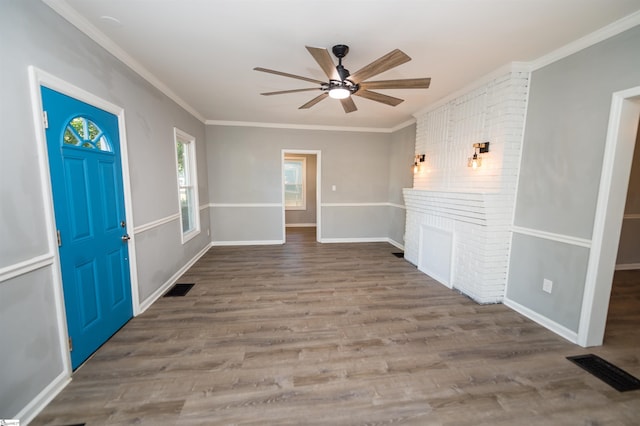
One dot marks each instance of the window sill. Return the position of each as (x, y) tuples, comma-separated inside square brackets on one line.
[(186, 237)]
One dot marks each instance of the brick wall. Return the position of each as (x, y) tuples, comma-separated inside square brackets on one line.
[(476, 205)]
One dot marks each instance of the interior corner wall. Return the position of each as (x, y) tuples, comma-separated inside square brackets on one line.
[(401, 158), (566, 126), (245, 181), (33, 362), (628, 256)]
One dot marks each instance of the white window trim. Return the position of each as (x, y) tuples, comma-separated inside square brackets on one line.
[(185, 138), (304, 183)]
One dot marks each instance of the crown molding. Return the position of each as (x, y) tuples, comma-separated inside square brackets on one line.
[(499, 72), (589, 40), (63, 9), (403, 125), (299, 126)]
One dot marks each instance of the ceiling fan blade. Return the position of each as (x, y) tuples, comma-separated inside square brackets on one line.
[(285, 74), (390, 60), (348, 105), (378, 97), (314, 101), (282, 92), (323, 58), (409, 83)]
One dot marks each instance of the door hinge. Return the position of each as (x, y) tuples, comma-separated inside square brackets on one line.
[(59, 238), (45, 119), (70, 344)]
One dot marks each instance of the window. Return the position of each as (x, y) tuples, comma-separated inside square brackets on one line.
[(82, 132), (187, 184), (295, 171)]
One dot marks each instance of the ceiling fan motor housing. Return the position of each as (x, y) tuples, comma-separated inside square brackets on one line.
[(340, 50)]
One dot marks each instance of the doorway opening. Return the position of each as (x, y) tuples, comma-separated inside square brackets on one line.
[(87, 151), (616, 169), (623, 316), (301, 188)]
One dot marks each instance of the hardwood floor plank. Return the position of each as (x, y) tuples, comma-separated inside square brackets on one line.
[(343, 334)]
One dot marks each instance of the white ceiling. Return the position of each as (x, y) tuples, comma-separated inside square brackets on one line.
[(204, 51)]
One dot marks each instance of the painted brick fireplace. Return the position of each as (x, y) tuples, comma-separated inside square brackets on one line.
[(458, 221)]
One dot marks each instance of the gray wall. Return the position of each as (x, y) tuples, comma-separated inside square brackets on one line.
[(629, 247), (562, 155), (307, 215), (32, 34), (245, 185), (401, 157)]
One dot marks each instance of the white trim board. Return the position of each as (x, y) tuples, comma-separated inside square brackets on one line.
[(156, 223), (37, 404), (234, 205), (380, 204), (303, 126), (247, 243), (561, 330), (498, 72), (362, 240), (589, 40), (627, 266), (561, 238), (26, 266)]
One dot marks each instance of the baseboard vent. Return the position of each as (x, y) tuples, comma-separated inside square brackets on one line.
[(615, 377), (179, 290), (398, 255)]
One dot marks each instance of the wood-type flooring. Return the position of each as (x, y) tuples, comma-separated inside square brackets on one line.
[(343, 334)]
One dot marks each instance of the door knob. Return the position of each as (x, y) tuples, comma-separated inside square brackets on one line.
[(126, 237)]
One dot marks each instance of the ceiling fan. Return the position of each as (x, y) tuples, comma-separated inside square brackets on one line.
[(342, 84)]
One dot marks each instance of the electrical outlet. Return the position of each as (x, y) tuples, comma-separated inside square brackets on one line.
[(547, 285), (333, 187)]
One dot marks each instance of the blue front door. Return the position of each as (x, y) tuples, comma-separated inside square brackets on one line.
[(86, 178)]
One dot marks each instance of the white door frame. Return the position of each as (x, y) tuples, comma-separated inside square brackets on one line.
[(318, 155), (614, 182), (38, 78)]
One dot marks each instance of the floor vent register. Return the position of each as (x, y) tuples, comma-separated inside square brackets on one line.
[(179, 290), (614, 376)]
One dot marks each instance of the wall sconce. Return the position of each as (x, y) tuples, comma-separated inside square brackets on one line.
[(417, 162), (478, 148)]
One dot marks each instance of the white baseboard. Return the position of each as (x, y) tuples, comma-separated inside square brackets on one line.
[(37, 404), (171, 281), (363, 240), (300, 225), (247, 243), (395, 244), (627, 266), (560, 330)]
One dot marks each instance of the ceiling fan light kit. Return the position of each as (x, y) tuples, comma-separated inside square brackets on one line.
[(342, 84)]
